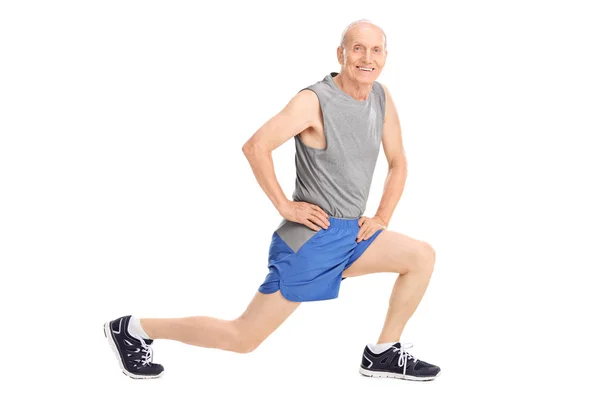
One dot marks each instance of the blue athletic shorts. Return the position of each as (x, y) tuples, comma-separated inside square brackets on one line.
[(307, 265)]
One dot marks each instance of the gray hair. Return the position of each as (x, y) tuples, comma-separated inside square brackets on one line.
[(360, 21)]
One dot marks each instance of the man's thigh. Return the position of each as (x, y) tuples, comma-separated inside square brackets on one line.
[(390, 252)]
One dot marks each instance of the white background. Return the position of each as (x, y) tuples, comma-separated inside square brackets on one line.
[(124, 190)]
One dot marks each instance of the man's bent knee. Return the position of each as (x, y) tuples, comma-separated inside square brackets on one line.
[(428, 257), (243, 342), (424, 260), (246, 346)]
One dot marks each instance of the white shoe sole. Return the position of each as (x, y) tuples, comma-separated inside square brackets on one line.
[(383, 374), (113, 346)]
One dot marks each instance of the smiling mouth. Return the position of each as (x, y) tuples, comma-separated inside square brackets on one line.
[(365, 69)]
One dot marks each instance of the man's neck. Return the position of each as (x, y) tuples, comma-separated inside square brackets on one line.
[(358, 91)]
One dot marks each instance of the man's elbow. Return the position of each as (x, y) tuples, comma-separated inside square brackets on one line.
[(248, 147), (251, 148), (398, 162)]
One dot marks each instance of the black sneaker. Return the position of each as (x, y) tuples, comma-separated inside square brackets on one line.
[(134, 353), (395, 362)]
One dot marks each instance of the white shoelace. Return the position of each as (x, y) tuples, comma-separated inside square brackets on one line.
[(146, 358), (404, 355)]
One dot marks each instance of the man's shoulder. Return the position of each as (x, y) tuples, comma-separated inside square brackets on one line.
[(314, 93), (305, 101), (384, 88), (384, 96), (306, 95)]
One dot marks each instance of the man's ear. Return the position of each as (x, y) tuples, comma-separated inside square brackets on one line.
[(340, 55)]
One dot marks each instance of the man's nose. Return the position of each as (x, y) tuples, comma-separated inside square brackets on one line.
[(367, 57)]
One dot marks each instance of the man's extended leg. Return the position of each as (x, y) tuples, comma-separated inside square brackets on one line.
[(130, 342), (264, 314)]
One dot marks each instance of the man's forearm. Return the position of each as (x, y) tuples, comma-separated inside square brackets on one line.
[(392, 191), (261, 162)]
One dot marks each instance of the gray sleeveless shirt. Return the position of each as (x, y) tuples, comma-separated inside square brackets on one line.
[(338, 177)]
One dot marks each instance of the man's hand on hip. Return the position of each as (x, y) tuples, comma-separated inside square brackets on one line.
[(368, 227), (305, 213)]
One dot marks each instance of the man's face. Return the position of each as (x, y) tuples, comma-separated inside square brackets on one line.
[(364, 53)]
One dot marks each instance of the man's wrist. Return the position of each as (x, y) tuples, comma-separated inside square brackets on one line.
[(385, 220), (281, 203)]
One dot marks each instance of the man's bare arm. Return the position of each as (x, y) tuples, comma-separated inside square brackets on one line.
[(396, 157), (295, 117)]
